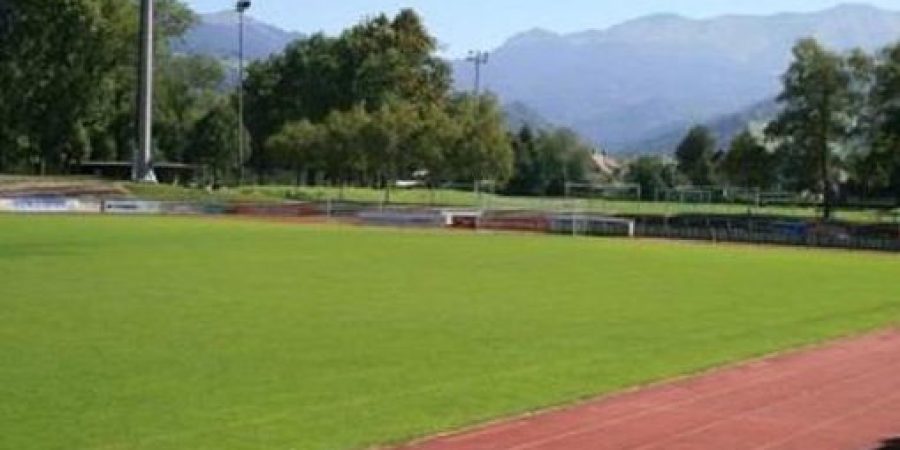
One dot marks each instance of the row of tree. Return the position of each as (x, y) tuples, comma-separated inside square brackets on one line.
[(375, 104), (837, 133), (369, 106), (461, 139)]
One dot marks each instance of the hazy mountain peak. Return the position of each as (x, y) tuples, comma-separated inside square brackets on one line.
[(226, 17), (854, 8), (216, 34), (656, 19), (532, 36), (230, 17)]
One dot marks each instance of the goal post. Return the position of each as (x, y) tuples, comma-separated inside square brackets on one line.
[(603, 197), (592, 209), (744, 196), (710, 195), (605, 191), (686, 194), (593, 224), (468, 194)]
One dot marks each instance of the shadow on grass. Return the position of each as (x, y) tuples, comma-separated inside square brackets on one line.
[(890, 444)]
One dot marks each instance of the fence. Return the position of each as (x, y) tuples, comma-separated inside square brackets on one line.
[(772, 231), (716, 228)]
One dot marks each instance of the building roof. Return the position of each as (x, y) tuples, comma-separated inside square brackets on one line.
[(605, 164)]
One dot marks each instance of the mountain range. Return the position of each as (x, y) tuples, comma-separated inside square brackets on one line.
[(217, 35), (642, 80), (637, 86)]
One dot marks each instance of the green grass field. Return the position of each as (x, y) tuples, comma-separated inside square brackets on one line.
[(174, 333)]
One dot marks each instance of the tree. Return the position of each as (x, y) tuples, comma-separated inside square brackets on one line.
[(377, 62), (815, 119), (484, 151), (695, 154), (870, 169), (389, 139), (67, 78), (440, 132), (392, 142), (213, 142), (527, 174), (546, 162), (347, 143), (653, 174), (186, 90), (568, 156), (749, 164), (265, 110), (299, 145), (885, 157), (54, 60), (388, 59)]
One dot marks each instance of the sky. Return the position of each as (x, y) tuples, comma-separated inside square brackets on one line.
[(462, 25)]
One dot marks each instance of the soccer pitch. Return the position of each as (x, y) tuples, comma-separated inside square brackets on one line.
[(175, 333)]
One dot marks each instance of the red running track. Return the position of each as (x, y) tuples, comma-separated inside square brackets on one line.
[(845, 396)]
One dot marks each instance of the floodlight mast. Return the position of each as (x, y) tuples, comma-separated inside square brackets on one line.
[(142, 170), (241, 6), (479, 59)]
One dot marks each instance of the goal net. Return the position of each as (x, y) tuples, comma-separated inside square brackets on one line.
[(693, 195)]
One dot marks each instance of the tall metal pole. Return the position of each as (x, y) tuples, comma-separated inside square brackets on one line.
[(478, 58), (240, 125), (143, 160), (477, 76), (241, 6)]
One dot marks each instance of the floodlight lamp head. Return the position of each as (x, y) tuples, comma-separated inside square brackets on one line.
[(477, 56), (243, 5)]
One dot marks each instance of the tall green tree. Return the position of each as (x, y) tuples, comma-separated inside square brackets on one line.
[(67, 77), (299, 146), (54, 60), (484, 151), (187, 89), (567, 155), (748, 163), (885, 156), (527, 173), (546, 162), (437, 132), (695, 154), (212, 142), (815, 121), (349, 148), (393, 58), (378, 61), (653, 174)]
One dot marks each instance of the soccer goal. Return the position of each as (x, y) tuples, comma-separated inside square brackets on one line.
[(592, 225), (466, 194), (744, 196), (590, 198), (694, 195)]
